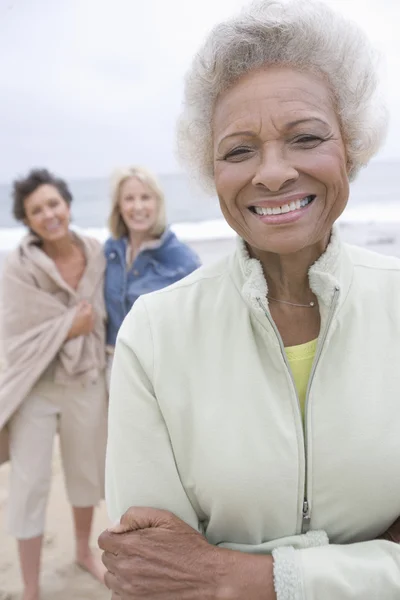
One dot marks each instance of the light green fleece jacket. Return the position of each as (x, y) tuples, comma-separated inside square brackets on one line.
[(205, 421)]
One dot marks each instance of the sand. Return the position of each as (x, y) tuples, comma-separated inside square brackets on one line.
[(61, 580)]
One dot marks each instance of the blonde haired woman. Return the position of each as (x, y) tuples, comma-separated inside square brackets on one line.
[(143, 254)]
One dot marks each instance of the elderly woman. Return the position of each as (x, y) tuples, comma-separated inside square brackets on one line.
[(53, 377), (143, 254), (255, 414)]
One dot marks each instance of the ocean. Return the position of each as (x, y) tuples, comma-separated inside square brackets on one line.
[(374, 198)]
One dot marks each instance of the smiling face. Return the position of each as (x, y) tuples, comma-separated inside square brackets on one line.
[(279, 160), (138, 206), (47, 213)]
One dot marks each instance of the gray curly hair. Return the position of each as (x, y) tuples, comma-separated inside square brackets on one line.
[(306, 35)]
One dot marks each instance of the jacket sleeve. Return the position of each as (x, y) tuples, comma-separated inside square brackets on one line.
[(140, 465), (366, 570)]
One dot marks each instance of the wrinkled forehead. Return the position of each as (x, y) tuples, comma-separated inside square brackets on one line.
[(280, 95)]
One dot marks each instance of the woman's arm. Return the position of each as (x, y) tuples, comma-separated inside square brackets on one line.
[(141, 472), (83, 322), (140, 466), (34, 325), (159, 555)]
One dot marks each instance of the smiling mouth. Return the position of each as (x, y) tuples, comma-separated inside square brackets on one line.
[(53, 226), (285, 208)]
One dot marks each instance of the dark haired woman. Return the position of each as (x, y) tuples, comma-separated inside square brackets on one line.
[(53, 330)]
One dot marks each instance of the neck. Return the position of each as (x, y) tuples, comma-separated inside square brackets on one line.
[(287, 275), (59, 248), (136, 240)]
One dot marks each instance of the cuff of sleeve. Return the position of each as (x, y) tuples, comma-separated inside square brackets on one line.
[(287, 574), (312, 539), (287, 577)]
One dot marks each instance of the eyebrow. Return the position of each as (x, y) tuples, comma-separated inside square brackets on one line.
[(307, 120), (290, 125)]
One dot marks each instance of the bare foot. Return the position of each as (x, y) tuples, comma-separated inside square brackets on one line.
[(93, 565)]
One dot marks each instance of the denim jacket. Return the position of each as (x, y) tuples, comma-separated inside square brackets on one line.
[(153, 268)]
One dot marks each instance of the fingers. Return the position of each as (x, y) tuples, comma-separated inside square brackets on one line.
[(110, 561), (83, 304), (136, 518), (133, 519), (393, 533), (112, 583), (115, 545), (121, 528), (86, 312), (108, 542)]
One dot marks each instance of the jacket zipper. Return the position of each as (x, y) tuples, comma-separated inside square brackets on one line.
[(306, 509)]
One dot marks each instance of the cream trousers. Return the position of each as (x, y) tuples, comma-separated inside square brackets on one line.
[(78, 414)]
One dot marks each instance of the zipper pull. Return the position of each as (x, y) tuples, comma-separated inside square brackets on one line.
[(306, 516)]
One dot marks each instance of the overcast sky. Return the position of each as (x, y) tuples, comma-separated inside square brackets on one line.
[(86, 85)]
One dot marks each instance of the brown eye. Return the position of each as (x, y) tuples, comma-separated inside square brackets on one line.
[(309, 141), (238, 153)]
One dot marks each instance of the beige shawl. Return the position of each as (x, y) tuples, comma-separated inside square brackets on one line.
[(36, 312)]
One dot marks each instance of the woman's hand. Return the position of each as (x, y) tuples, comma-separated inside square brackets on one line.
[(153, 554), (83, 323), (393, 533)]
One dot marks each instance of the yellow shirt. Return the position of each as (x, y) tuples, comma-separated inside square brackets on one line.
[(300, 360)]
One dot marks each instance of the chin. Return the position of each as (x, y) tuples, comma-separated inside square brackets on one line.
[(54, 237), (139, 229), (279, 243)]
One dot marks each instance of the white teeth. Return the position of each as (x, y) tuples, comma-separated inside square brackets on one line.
[(277, 210), (53, 226)]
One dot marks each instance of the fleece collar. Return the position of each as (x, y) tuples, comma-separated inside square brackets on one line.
[(331, 273)]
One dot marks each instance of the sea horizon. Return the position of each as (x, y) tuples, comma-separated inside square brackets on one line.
[(193, 215)]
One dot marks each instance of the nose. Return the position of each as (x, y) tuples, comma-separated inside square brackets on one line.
[(274, 170), (138, 204), (48, 213)]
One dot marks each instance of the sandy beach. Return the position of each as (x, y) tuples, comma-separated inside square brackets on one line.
[(61, 579)]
